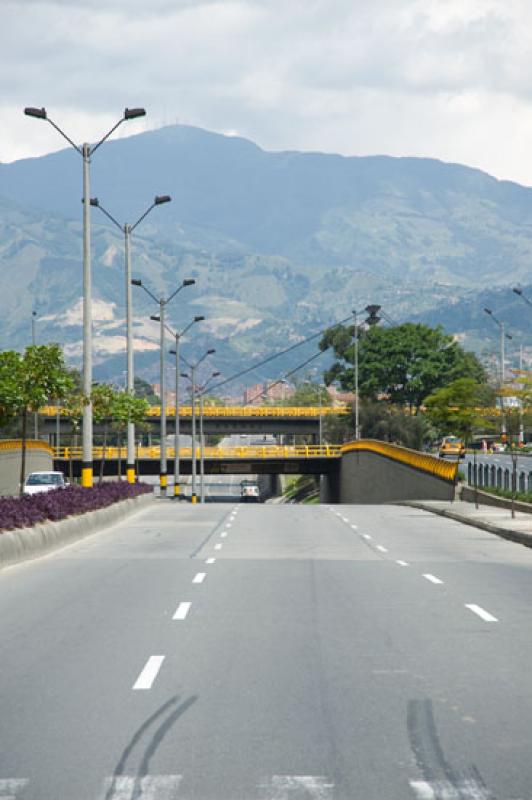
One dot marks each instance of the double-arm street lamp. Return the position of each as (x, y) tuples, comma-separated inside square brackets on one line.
[(127, 230), (162, 303), (192, 378), (86, 151), (504, 336), (372, 319), (178, 335)]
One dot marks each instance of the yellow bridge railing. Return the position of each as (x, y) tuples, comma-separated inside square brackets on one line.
[(230, 411), (265, 452), (446, 470)]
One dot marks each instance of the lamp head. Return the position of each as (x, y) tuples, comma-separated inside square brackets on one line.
[(95, 202), (161, 198), (216, 374), (517, 290), (488, 311), (38, 113), (189, 282), (155, 318), (184, 375), (199, 319), (133, 113), (211, 351), (172, 352), (136, 282)]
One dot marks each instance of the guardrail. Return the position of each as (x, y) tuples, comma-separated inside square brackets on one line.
[(229, 411), (446, 470), (262, 452), (31, 444), (497, 477)]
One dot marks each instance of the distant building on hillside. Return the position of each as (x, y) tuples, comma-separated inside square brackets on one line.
[(339, 398), (258, 394)]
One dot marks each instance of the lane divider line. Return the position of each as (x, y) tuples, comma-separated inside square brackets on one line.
[(182, 611), (199, 577), (149, 673), (432, 578), (354, 527), (223, 535), (402, 563), (217, 546), (381, 548), (210, 561), (481, 612), (366, 536)]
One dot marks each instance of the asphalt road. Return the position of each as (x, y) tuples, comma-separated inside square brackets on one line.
[(226, 652)]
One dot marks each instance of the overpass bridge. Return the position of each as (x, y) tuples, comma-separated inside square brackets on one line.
[(364, 471), (225, 420)]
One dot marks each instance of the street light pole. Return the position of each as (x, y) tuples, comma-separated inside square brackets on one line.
[(86, 152), (192, 379), (162, 303), (127, 230), (372, 310), (202, 439), (177, 335), (502, 373), (34, 342)]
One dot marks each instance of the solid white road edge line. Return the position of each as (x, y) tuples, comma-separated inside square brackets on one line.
[(182, 611), (199, 577), (432, 578), (149, 673), (481, 612), (124, 787)]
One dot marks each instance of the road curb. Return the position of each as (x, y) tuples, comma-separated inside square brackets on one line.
[(513, 536), (24, 544)]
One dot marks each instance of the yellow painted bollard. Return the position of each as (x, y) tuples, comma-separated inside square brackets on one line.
[(193, 499), (130, 474), (177, 490), (86, 477), (163, 481)]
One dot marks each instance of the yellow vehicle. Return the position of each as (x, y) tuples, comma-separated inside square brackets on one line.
[(452, 447)]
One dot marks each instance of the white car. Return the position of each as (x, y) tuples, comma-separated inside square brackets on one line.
[(38, 482)]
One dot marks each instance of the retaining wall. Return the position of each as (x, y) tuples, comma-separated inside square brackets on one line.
[(39, 457), (376, 472)]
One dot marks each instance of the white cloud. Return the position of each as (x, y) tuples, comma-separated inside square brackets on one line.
[(445, 78)]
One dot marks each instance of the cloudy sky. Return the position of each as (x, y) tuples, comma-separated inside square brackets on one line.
[(451, 79)]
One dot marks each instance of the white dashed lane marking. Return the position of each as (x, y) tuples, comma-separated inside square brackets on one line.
[(210, 561), (199, 577), (182, 611), (288, 787), (481, 612), (366, 536), (402, 563), (217, 546), (147, 787), (149, 673), (381, 548), (467, 789), (11, 787), (223, 534), (432, 578)]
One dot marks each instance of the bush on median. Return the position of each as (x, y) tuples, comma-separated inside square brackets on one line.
[(23, 512)]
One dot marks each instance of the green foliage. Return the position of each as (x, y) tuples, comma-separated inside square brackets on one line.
[(403, 364), (125, 407), (391, 424), (143, 389), (32, 379), (454, 409), (309, 394)]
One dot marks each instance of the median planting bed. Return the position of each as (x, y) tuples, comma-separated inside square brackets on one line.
[(23, 512)]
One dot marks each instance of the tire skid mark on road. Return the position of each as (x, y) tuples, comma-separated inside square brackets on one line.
[(213, 533)]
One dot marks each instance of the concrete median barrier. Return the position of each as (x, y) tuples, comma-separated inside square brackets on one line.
[(23, 544)]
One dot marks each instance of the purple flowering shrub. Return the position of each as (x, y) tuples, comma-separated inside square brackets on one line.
[(22, 512)]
